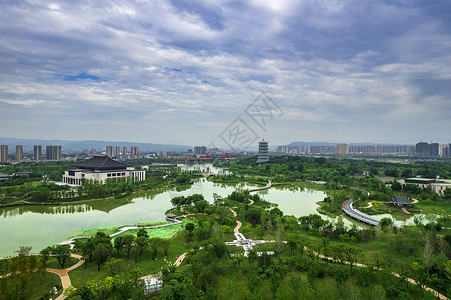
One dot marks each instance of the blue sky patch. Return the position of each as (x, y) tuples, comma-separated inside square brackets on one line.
[(83, 75)]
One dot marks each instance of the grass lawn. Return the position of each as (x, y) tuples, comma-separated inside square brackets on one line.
[(53, 263), (93, 231), (428, 206), (178, 245), (40, 286), (163, 232)]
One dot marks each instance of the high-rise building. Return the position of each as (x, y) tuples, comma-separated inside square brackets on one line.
[(53, 152), (158, 152), (445, 152), (118, 151), (93, 152), (3, 153), (263, 155), (134, 152), (109, 151), (341, 149), (435, 149), (165, 153), (199, 150), (124, 151), (19, 152), (423, 149), (37, 152)]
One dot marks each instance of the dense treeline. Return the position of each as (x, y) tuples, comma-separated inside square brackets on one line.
[(295, 271), (336, 174), (49, 192), (334, 169)]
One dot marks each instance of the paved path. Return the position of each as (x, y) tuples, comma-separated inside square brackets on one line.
[(180, 259), (64, 276), (354, 213), (370, 204), (174, 221), (238, 226), (262, 188), (238, 223), (405, 210), (360, 216)]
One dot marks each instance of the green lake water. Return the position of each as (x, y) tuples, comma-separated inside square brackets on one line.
[(40, 226)]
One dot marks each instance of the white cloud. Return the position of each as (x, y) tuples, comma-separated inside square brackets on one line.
[(190, 64)]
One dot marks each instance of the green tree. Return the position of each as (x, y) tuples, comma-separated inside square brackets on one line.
[(100, 254), (62, 254), (140, 243), (128, 243), (341, 275), (296, 284), (253, 284), (116, 266), (119, 244), (218, 247), (165, 243), (101, 289), (155, 243), (142, 232), (312, 276), (275, 282)]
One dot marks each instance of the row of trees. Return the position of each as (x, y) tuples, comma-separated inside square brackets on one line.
[(18, 272)]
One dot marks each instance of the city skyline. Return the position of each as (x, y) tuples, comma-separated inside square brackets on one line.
[(181, 73)]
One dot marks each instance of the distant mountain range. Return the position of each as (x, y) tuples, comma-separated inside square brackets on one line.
[(76, 146)]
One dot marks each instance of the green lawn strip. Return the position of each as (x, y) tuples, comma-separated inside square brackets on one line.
[(163, 232), (93, 231), (112, 229), (178, 246), (53, 263), (428, 206)]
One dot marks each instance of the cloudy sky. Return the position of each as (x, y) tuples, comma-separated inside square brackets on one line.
[(184, 71)]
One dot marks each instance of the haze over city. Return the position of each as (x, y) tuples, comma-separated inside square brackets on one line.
[(179, 72)]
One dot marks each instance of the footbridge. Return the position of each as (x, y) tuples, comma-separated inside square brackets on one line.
[(358, 215)]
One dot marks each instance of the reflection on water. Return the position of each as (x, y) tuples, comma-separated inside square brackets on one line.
[(44, 209), (42, 225)]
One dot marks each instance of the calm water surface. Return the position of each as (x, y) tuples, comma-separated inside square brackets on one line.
[(40, 226)]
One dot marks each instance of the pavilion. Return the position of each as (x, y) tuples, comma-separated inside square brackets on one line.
[(400, 201), (100, 168)]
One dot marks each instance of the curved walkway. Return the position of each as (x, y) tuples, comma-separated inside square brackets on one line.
[(354, 213), (370, 204), (349, 205), (262, 188), (174, 220), (238, 223), (358, 215), (64, 276)]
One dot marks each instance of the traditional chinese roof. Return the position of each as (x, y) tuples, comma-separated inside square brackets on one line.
[(101, 162), (400, 200)]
